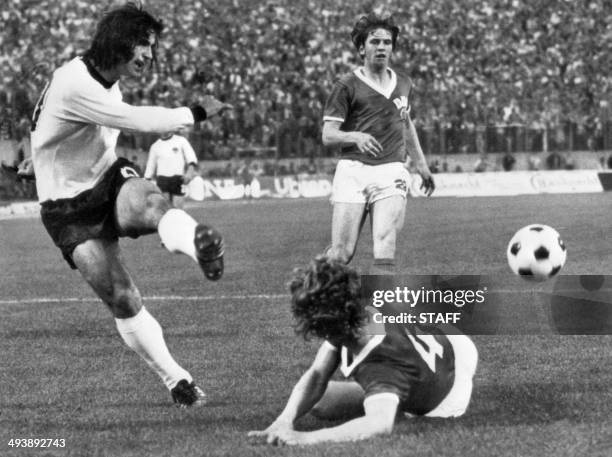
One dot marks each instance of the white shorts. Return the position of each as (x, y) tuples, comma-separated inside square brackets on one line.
[(466, 359), (356, 182)]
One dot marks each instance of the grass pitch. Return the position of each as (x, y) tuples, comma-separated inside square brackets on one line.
[(64, 372)]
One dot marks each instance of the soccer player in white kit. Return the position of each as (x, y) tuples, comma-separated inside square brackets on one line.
[(172, 162), (368, 115), (89, 197)]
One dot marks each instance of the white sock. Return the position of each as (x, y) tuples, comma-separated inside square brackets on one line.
[(177, 232), (143, 334)]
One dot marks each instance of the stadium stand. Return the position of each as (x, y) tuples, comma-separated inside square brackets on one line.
[(490, 75)]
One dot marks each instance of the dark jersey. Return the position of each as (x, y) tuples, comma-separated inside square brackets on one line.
[(418, 367), (362, 105)]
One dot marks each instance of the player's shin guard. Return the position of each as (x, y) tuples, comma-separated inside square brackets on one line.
[(383, 267), (177, 230), (143, 334)]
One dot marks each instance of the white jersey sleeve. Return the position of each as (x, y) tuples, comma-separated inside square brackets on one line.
[(90, 103)]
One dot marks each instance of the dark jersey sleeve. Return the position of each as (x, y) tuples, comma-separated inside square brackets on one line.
[(338, 102), (376, 378)]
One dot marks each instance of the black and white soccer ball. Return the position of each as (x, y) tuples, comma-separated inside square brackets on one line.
[(536, 252)]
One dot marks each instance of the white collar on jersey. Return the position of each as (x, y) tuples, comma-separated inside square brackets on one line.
[(347, 369), (377, 87)]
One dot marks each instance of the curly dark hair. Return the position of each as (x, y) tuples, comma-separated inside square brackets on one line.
[(325, 301), (373, 21), (119, 32)]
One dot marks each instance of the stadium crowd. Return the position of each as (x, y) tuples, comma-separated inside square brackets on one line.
[(484, 70)]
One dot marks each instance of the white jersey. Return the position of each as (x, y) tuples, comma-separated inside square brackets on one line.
[(169, 157), (75, 128)]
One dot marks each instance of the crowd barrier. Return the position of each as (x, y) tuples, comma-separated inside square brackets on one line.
[(447, 185)]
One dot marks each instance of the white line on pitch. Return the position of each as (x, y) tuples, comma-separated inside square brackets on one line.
[(151, 298)]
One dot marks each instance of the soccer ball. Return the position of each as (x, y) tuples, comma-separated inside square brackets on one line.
[(536, 252)]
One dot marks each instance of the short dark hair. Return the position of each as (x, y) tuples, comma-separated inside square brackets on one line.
[(325, 301), (373, 21), (119, 32)]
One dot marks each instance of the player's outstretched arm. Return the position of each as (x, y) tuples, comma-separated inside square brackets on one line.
[(379, 418), (418, 158), (90, 103), (366, 143), (306, 393)]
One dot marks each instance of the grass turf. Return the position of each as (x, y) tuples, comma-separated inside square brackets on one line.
[(66, 374)]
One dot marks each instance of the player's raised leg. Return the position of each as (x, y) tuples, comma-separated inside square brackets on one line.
[(347, 221), (99, 262), (141, 208), (341, 400), (388, 217)]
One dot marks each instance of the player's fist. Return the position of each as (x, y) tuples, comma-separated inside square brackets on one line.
[(26, 169), (214, 106), (427, 185)]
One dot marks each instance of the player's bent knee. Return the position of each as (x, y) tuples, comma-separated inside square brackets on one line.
[(126, 302), (140, 205)]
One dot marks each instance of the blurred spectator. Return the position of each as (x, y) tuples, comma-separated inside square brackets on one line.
[(508, 161), (434, 166), (555, 161), (482, 164), (533, 162), (475, 64)]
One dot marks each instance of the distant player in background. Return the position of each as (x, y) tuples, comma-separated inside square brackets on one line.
[(89, 197), (368, 115), (395, 368), (173, 163)]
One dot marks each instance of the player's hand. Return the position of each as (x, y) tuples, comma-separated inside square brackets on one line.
[(291, 438), (189, 174), (271, 435), (367, 144), (427, 182), (26, 169), (214, 106)]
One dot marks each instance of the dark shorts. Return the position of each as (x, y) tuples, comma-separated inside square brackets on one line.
[(90, 214), (172, 185)]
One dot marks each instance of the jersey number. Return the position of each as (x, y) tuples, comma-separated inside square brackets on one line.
[(427, 347)]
